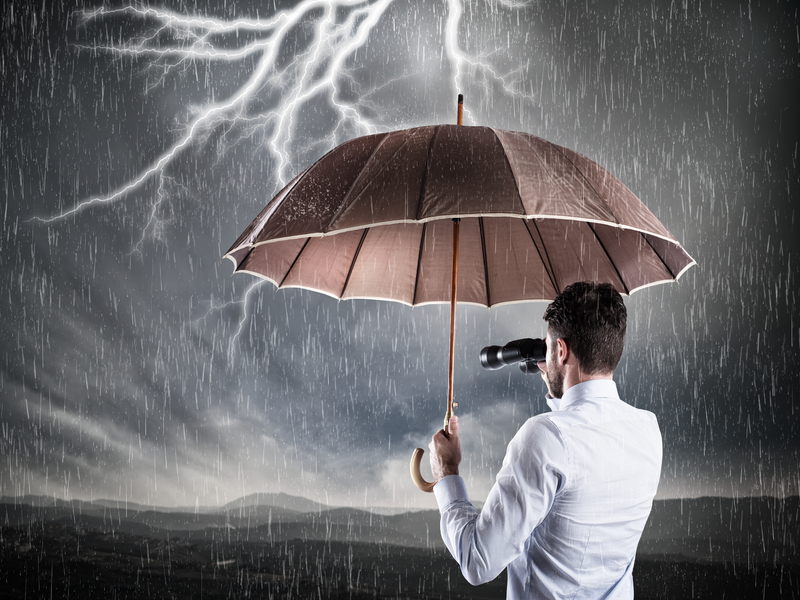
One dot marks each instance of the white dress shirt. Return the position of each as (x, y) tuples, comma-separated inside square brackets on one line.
[(570, 501)]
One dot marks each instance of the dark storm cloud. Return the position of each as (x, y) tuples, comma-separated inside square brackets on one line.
[(131, 367)]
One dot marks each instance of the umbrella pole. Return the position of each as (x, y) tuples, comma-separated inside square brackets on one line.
[(416, 457), (453, 296)]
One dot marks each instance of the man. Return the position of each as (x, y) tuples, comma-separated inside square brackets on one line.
[(576, 486)]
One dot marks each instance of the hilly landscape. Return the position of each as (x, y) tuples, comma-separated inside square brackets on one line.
[(275, 546)]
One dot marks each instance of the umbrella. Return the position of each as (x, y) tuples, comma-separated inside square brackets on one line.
[(450, 213)]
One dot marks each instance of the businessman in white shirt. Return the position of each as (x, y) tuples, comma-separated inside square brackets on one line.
[(577, 484)]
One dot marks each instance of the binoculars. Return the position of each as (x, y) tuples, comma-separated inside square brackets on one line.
[(526, 352)]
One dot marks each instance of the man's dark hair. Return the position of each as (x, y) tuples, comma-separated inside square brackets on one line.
[(592, 319)]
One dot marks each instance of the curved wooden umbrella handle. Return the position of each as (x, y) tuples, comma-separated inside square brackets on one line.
[(416, 458)]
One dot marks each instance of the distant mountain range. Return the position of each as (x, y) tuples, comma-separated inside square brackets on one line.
[(281, 502), (744, 530), (266, 517)]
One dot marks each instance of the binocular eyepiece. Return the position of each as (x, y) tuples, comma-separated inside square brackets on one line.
[(527, 352)]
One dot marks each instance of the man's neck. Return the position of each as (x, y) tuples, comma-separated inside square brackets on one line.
[(575, 376)]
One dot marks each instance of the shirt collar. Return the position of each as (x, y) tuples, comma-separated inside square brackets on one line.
[(594, 388)]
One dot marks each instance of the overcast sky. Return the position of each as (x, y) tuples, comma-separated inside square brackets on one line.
[(136, 147)]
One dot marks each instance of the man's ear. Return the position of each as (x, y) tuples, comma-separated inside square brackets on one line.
[(563, 351)]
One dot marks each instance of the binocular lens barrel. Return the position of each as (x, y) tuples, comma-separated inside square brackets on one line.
[(526, 351)]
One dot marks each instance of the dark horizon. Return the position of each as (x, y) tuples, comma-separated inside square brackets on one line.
[(704, 546), (31, 500), (696, 527)]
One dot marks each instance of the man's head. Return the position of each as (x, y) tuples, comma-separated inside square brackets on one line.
[(591, 318)]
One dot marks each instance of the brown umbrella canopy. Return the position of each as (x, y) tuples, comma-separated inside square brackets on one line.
[(371, 219)]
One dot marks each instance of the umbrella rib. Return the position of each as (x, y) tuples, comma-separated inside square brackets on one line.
[(511, 169), (485, 263), (588, 182), (419, 263), (249, 252), (344, 203), (266, 214), (603, 246), (663, 262), (550, 273), (383, 167), (424, 186), (294, 262), (353, 262)]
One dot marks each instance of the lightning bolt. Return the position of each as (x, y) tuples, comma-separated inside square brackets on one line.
[(463, 65), (336, 29), (214, 307), (313, 72), (156, 224)]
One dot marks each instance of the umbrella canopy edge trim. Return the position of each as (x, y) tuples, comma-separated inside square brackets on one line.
[(666, 266), (263, 277), (433, 302), (684, 269), (462, 216), (660, 281), (233, 260)]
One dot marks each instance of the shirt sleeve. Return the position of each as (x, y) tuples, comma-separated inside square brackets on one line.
[(534, 471)]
